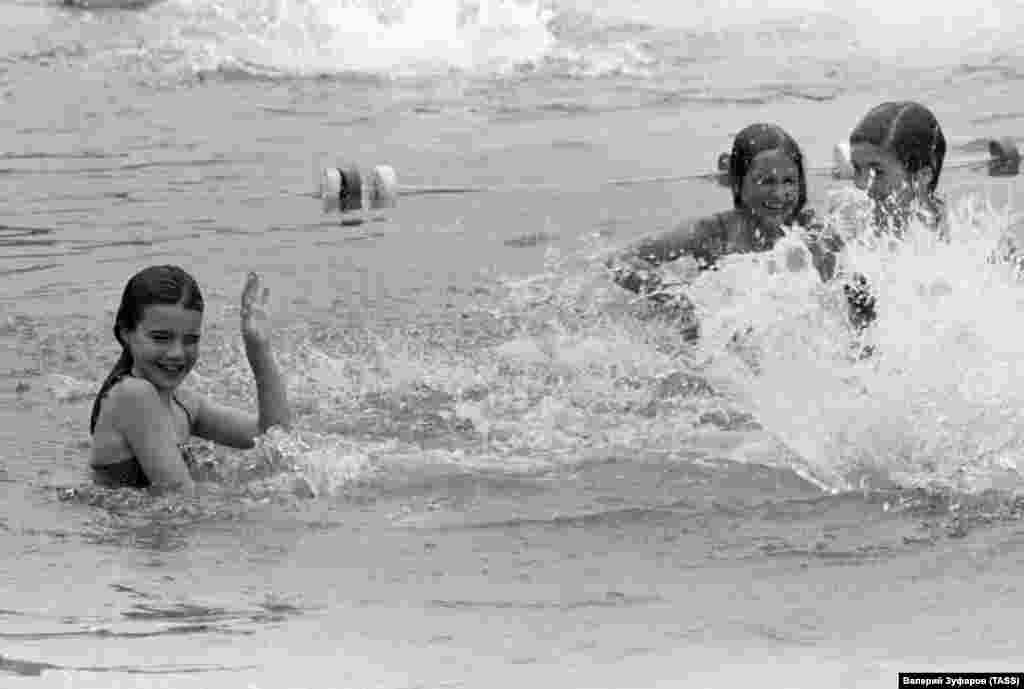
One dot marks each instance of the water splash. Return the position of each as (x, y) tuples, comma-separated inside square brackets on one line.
[(557, 372), (686, 50), (310, 37), (938, 403)]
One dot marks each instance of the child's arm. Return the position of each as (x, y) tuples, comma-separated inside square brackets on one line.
[(823, 243), (233, 427), (824, 249), (141, 417), (636, 267)]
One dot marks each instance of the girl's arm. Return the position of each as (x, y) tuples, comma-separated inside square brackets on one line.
[(233, 427), (823, 242), (142, 419), (824, 247), (636, 267)]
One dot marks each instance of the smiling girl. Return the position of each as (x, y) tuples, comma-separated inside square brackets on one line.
[(769, 189), (142, 418)]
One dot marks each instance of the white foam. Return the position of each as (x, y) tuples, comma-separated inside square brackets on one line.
[(942, 398), (334, 36)]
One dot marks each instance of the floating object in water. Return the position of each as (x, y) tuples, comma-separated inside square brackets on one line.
[(345, 189), (723, 169), (1005, 157)]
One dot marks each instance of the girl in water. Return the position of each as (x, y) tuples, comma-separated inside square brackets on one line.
[(769, 190), (141, 418), (897, 151)]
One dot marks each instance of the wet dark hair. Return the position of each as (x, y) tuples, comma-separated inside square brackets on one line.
[(907, 130), (152, 285), (758, 138)]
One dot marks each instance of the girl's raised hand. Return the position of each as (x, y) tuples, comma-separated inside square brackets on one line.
[(255, 321)]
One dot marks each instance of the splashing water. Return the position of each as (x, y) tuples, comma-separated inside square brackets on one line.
[(308, 37), (940, 399), (679, 46), (559, 373), (563, 367), (571, 370)]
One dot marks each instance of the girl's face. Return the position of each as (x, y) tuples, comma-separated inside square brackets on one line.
[(771, 187), (165, 344), (883, 176)]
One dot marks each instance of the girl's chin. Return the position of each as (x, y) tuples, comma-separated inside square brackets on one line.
[(772, 218), (166, 379)]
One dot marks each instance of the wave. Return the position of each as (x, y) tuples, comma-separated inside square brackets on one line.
[(827, 43)]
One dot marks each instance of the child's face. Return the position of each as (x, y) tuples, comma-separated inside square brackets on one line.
[(771, 187), (165, 344), (881, 175)]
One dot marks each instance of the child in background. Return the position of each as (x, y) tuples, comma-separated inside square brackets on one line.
[(897, 151), (141, 418)]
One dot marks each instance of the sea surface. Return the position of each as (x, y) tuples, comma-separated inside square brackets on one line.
[(505, 470)]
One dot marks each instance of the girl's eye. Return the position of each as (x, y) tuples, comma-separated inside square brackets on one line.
[(160, 337)]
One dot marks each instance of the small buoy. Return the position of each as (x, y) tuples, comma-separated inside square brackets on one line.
[(383, 187), (350, 196), (723, 169), (330, 188), (341, 189), (842, 166), (1005, 160), (344, 189)]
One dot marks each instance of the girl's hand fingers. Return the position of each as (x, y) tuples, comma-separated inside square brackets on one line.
[(251, 291)]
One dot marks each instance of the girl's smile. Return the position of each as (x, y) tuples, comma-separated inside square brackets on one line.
[(771, 187)]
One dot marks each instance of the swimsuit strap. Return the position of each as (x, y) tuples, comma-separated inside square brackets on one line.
[(188, 414), (183, 447)]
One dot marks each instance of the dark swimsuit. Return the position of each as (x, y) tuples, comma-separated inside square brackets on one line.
[(129, 472)]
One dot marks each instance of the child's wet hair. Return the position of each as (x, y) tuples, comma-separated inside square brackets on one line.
[(153, 285), (758, 138), (908, 131)]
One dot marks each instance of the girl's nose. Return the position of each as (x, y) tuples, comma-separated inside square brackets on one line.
[(176, 350)]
